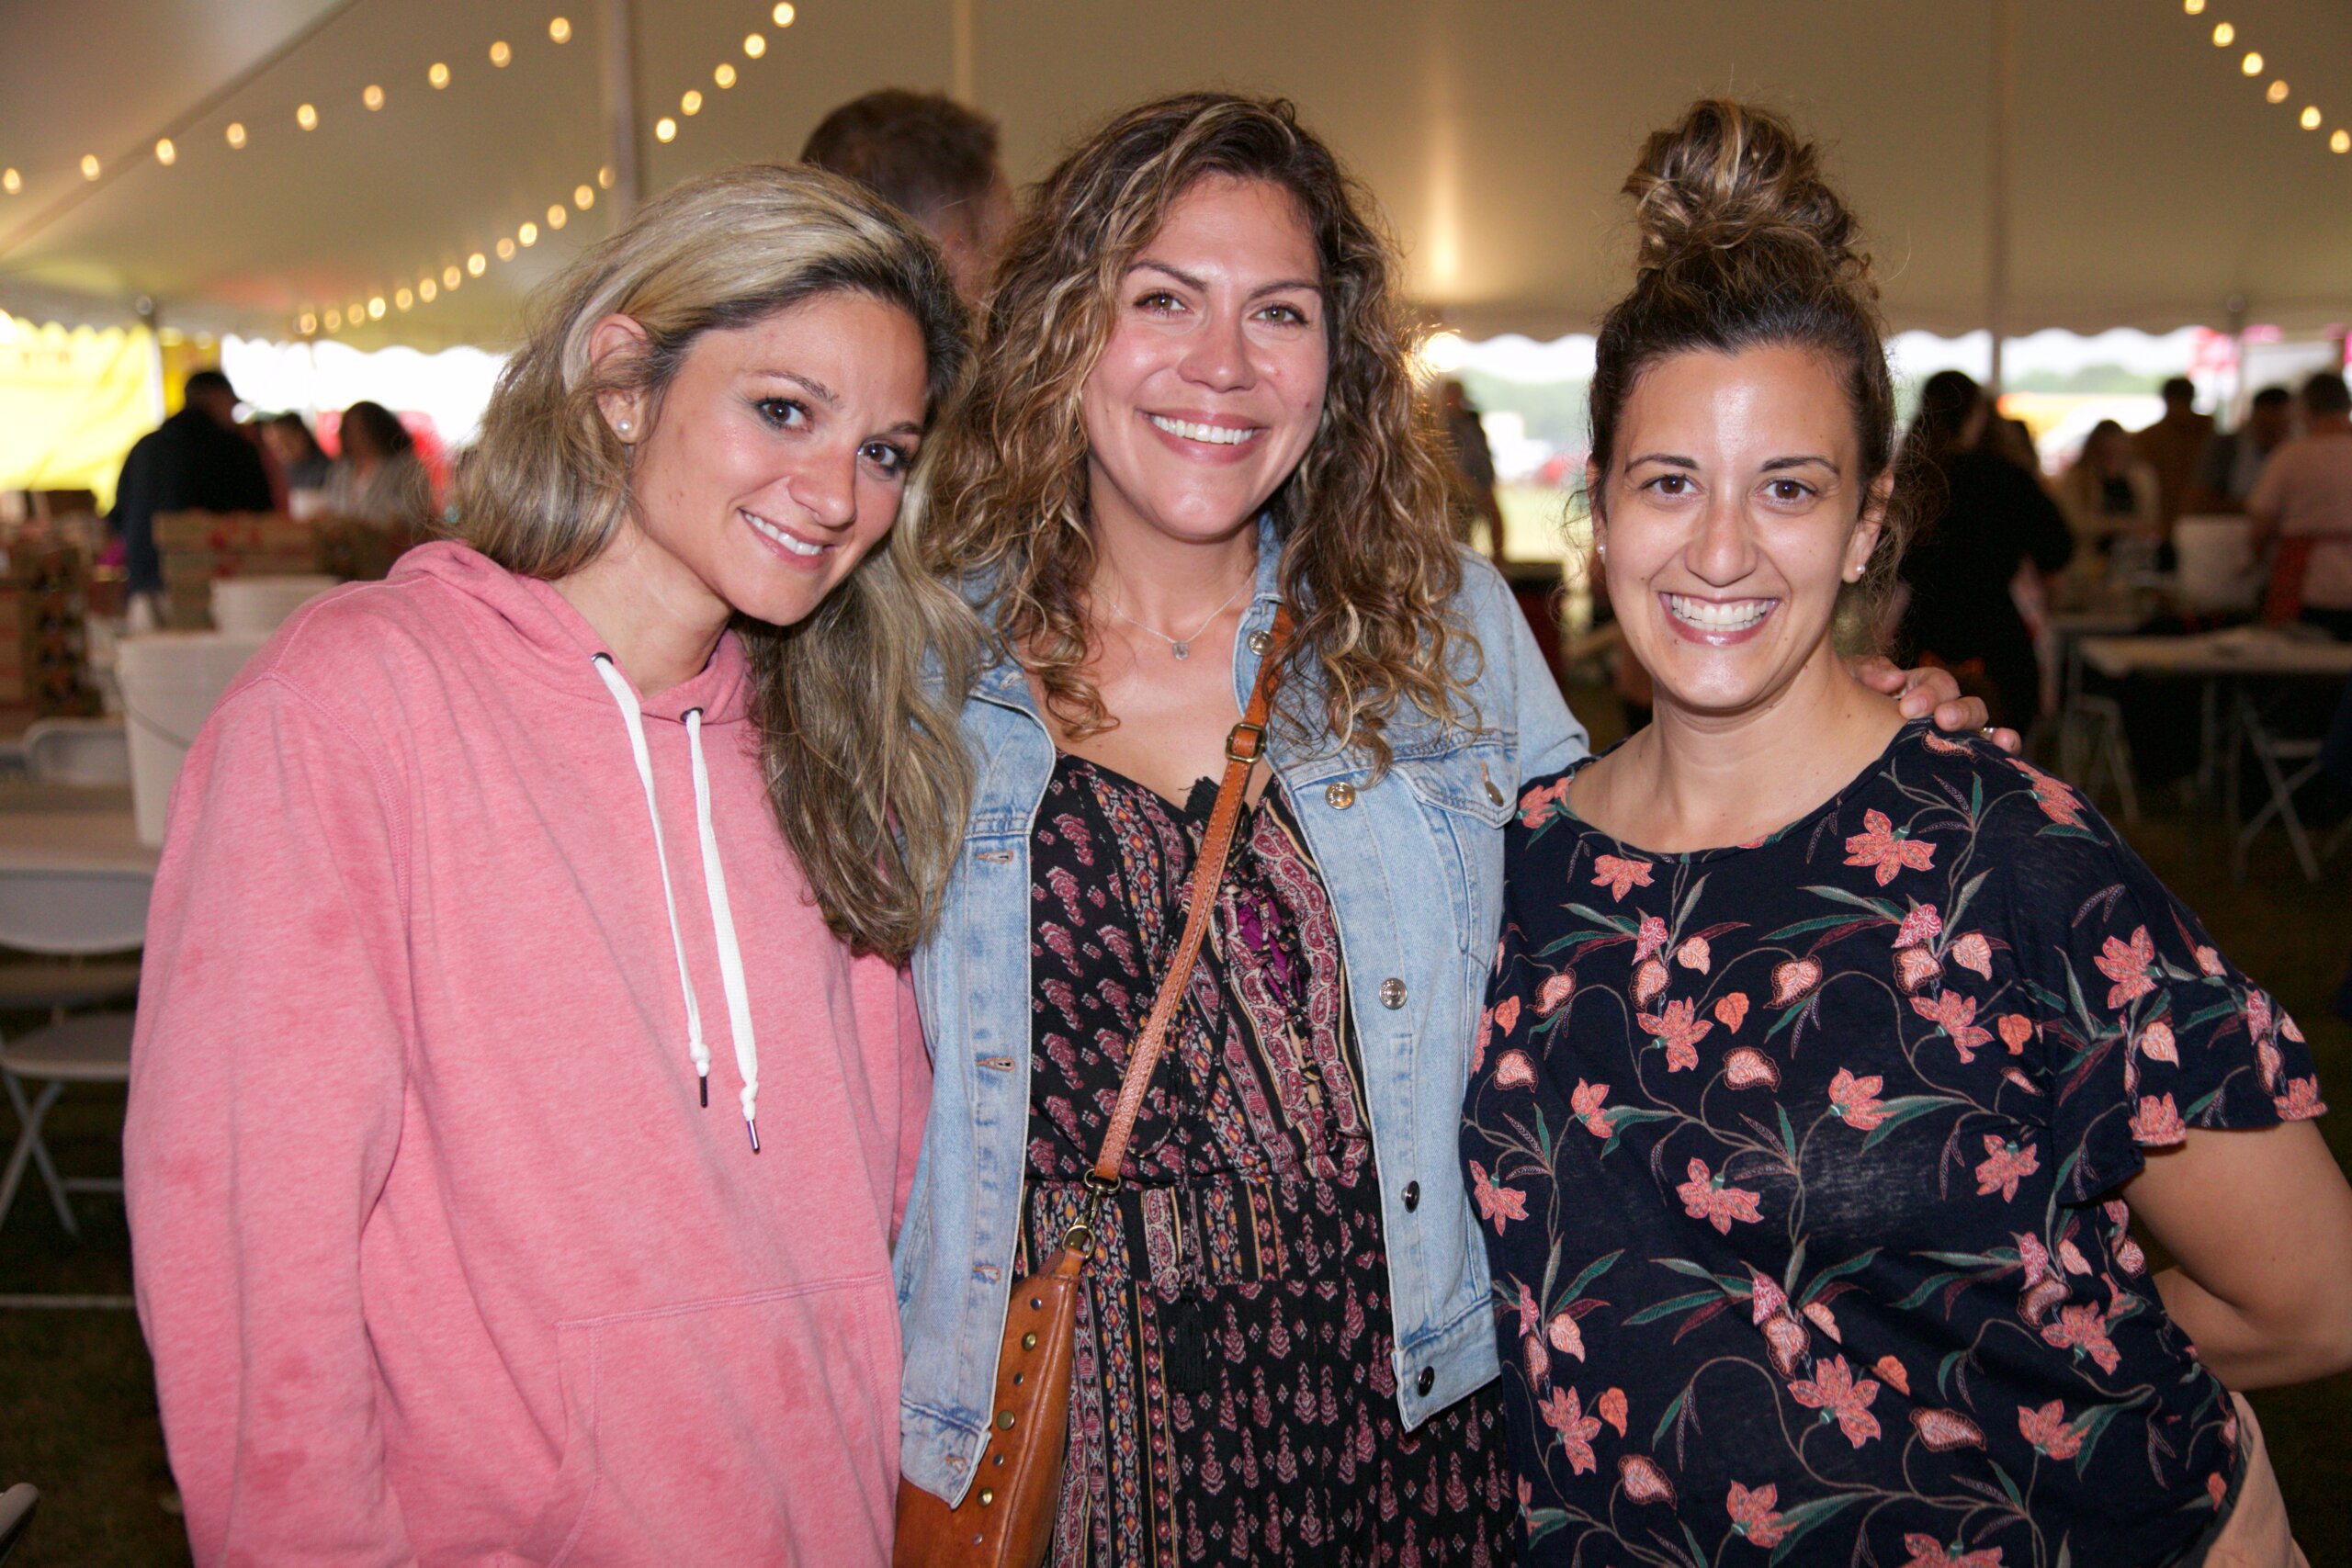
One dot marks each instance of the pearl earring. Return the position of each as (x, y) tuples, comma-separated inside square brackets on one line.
[(623, 424)]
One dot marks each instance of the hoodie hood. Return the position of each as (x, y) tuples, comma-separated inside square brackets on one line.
[(553, 645)]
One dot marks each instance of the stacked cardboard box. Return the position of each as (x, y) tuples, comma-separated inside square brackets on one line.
[(43, 640), (199, 547)]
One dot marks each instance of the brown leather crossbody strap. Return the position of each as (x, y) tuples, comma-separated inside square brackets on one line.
[(1244, 745)]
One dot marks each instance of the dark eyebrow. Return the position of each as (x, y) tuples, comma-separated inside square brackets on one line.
[(1671, 460), (1801, 461), (816, 389), (1189, 281)]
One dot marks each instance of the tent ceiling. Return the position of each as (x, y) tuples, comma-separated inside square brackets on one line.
[(2151, 182)]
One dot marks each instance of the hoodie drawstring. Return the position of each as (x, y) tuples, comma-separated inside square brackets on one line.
[(723, 923), (730, 963)]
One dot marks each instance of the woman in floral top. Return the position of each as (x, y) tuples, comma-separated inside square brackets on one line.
[(1805, 1161)]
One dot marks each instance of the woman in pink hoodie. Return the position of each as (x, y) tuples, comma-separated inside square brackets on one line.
[(522, 1106)]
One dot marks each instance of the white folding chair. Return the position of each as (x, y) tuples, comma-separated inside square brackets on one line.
[(17, 1506), (66, 914), (78, 751)]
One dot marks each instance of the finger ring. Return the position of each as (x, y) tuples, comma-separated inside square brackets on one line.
[(1986, 732)]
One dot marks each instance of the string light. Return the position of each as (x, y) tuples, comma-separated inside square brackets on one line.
[(165, 153), (528, 234), (373, 96), (2277, 93), (404, 299), (427, 290), (452, 275), (307, 117), (557, 216), (11, 181), (2194, 8), (235, 135), (475, 264), (438, 75), (724, 75), (560, 29), (376, 309), (2252, 63), (604, 177), (665, 129), (755, 45), (499, 54), (784, 14), (691, 104), (2224, 35), (89, 166), (334, 320), (583, 197), (309, 322), (2340, 142), (505, 248), (2310, 117), (354, 312)]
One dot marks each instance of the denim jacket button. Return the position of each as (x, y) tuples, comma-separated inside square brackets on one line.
[(1412, 1196), (1260, 642), (1426, 1382), (1340, 796), (1392, 993)]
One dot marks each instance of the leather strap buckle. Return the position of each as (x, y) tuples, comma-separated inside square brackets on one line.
[(1244, 743)]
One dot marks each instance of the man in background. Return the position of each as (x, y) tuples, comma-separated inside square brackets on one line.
[(2172, 446), (1474, 460), (194, 461), (2305, 493), (2233, 460), (932, 159)]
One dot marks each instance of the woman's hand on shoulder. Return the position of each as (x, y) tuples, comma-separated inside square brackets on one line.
[(2259, 1225), (1922, 691)]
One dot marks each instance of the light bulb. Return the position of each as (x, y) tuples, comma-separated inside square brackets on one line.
[(499, 54), (665, 129), (724, 75), (755, 45), (165, 153), (236, 135), (560, 29), (307, 117), (373, 96), (438, 75), (583, 197), (89, 166)]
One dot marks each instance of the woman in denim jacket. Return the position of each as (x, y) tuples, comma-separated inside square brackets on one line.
[(1194, 405)]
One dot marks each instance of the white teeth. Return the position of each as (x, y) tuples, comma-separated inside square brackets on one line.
[(798, 547), (1737, 615), (1217, 434)]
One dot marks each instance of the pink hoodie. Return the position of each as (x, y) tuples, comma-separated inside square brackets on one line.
[(440, 1257)]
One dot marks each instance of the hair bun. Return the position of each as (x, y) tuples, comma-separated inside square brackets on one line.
[(1733, 175)]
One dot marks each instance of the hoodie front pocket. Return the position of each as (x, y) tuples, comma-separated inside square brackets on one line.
[(754, 1429)]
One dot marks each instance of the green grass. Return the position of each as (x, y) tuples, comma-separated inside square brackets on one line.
[(77, 1405)]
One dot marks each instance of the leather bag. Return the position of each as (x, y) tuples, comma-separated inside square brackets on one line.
[(1006, 1519)]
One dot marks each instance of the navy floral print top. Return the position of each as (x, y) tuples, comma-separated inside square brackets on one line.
[(1798, 1162)]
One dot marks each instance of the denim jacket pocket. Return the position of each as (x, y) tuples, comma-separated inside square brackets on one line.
[(1466, 794)]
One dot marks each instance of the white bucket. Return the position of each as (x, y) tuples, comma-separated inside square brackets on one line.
[(2216, 569), (254, 606), (170, 680)]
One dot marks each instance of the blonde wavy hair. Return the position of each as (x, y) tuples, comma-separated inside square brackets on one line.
[(865, 763), (1368, 560)]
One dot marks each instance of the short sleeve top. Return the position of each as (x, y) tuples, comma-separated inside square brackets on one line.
[(1799, 1162)]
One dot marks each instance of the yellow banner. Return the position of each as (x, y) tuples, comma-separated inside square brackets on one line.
[(71, 404)]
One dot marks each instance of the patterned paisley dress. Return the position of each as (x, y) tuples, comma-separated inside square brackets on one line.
[(1235, 1393), (1800, 1158)]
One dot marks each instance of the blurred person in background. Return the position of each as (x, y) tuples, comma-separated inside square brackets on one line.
[(2172, 446), (2305, 493), (936, 161), (287, 437), (379, 479), (1474, 460), (2110, 490), (1995, 518), (2233, 463), (194, 461)]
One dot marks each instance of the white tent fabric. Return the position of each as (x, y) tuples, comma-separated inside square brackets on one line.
[(2152, 184)]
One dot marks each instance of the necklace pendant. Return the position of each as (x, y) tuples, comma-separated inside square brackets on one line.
[(1180, 650)]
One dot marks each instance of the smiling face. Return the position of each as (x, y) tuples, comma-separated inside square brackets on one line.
[(1734, 516), (1210, 387), (776, 456)]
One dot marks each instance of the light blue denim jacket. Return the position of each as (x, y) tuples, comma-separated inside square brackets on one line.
[(1415, 867)]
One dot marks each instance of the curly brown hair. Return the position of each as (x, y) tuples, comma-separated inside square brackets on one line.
[(1741, 242), (1368, 560)]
